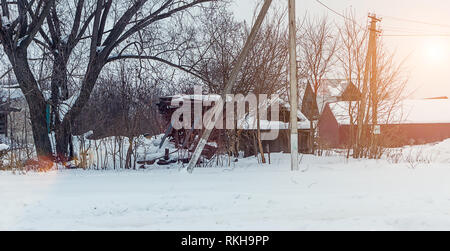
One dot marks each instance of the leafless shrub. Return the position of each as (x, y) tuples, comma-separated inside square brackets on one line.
[(394, 156), (417, 157)]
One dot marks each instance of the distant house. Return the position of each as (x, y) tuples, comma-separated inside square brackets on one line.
[(5, 110), (411, 122), (10, 102), (330, 91)]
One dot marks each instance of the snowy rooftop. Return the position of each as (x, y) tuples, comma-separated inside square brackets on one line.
[(405, 112), (330, 90), (332, 87), (200, 98), (250, 122)]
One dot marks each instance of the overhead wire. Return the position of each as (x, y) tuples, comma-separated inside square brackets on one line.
[(410, 32), (416, 21), (416, 31), (339, 14), (416, 35)]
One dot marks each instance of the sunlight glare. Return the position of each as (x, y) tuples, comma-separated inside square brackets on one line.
[(436, 51)]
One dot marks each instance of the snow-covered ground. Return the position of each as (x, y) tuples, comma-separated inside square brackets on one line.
[(330, 193)]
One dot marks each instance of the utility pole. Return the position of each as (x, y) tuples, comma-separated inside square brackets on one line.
[(374, 77), (293, 83), (228, 88), (369, 74), (374, 85)]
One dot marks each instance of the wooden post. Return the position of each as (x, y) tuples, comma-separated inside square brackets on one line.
[(374, 88), (293, 84), (167, 154)]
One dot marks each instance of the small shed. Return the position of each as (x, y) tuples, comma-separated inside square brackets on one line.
[(282, 143), (5, 110)]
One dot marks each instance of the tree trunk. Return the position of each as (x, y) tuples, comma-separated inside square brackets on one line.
[(63, 130), (129, 153), (311, 140), (40, 130), (260, 146), (258, 132), (63, 136), (36, 104)]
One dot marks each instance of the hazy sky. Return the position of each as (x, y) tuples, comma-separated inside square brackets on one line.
[(427, 58)]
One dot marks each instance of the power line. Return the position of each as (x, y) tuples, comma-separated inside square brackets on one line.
[(410, 29), (330, 9), (339, 14), (412, 32), (416, 21), (416, 35), (415, 32), (397, 30)]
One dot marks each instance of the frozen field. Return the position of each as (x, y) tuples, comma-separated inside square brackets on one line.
[(329, 194)]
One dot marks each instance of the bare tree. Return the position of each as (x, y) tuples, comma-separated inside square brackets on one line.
[(20, 23), (268, 62), (389, 91), (352, 59), (108, 29), (318, 44), (385, 97), (264, 70)]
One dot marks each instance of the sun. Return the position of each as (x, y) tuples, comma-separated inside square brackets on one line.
[(436, 51)]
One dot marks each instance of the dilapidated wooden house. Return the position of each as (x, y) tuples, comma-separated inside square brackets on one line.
[(188, 139)]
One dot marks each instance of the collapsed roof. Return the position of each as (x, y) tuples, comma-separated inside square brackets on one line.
[(249, 123)]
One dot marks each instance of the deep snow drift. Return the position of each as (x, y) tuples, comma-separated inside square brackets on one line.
[(330, 193)]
